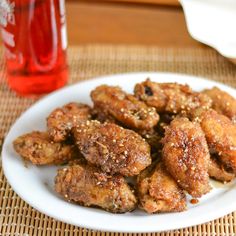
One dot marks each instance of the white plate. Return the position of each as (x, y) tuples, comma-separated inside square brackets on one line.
[(215, 27), (35, 184)]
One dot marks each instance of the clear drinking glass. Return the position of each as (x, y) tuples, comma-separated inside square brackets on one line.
[(35, 42)]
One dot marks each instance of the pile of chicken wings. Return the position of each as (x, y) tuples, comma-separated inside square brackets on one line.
[(148, 149)]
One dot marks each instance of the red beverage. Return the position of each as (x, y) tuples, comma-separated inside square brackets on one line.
[(34, 36)]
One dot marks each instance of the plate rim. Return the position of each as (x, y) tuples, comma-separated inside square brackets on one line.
[(205, 218)]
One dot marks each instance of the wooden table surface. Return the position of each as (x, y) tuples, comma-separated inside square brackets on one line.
[(128, 22)]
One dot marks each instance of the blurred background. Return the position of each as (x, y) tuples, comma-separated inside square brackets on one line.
[(141, 22), (148, 22)]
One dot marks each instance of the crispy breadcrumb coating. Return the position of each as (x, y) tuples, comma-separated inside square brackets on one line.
[(218, 172), (220, 133), (223, 102), (158, 191), (170, 97), (38, 148), (61, 120), (186, 156), (89, 186), (112, 102), (113, 148)]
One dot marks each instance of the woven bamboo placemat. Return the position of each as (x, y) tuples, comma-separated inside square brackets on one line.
[(16, 216)]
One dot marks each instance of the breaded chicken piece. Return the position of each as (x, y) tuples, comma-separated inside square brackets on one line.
[(218, 172), (38, 148), (89, 186), (170, 97), (165, 120), (113, 102), (61, 120), (222, 102), (113, 148), (153, 138), (158, 191), (220, 133), (186, 156), (103, 117)]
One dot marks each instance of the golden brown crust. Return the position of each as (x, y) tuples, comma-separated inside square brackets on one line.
[(186, 156), (158, 191), (61, 120), (163, 155), (114, 103), (153, 138), (220, 133), (113, 148), (38, 148), (165, 119), (218, 172), (223, 102), (170, 97), (89, 186)]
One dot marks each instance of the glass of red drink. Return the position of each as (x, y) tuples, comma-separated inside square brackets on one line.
[(34, 37)]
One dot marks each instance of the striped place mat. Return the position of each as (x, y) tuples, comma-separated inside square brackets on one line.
[(16, 216)]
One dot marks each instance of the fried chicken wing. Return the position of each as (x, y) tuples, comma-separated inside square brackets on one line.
[(153, 138), (220, 133), (158, 191), (114, 103), (165, 119), (223, 102), (170, 97), (218, 172), (61, 120), (89, 186), (38, 148), (113, 148), (186, 156)]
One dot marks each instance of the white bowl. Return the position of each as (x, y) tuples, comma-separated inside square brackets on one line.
[(213, 22)]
